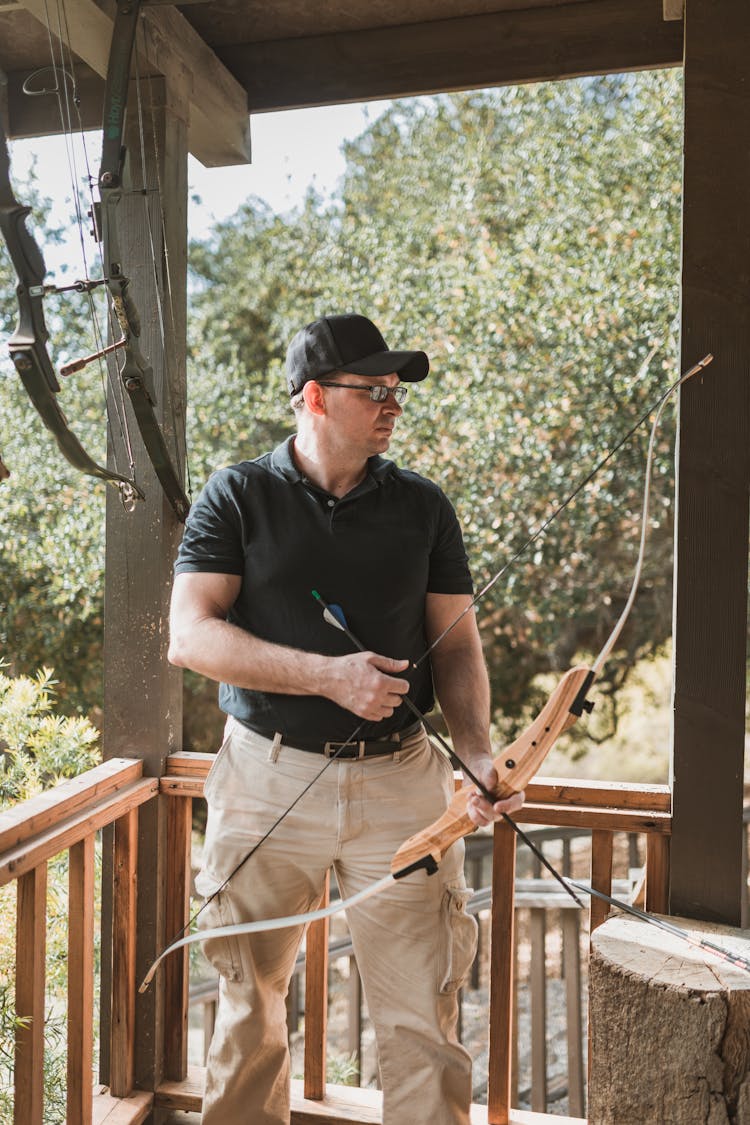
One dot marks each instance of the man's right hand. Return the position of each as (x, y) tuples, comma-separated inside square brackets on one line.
[(366, 684)]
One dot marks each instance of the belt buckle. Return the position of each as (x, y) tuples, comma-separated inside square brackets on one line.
[(330, 748)]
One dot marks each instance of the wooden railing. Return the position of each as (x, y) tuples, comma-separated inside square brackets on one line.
[(604, 809), (68, 817)]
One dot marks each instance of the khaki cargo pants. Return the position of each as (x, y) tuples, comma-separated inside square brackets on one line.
[(414, 942)]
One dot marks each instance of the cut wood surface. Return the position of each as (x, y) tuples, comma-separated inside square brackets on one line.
[(669, 1026)]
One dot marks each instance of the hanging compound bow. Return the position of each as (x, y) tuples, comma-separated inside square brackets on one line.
[(28, 343), (517, 763)]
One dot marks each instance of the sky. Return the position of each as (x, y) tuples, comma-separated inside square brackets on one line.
[(291, 151)]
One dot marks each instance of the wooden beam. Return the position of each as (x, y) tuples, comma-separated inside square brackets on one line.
[(219, 131), (713, 478), (499, 48)]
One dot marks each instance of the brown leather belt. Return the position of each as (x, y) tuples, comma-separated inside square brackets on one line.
[(367, 748)]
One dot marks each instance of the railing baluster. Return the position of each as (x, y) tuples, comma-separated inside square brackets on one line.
[(571, 943), (176, 911), (601, 873), (316, 1004), (538, 980), (31, 937), (80, 981), (514, 1052), (501, 974), (122, 1068), (354, 1044), (657, 873)]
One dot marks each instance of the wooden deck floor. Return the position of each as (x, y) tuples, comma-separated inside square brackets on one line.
[(343, 1105)]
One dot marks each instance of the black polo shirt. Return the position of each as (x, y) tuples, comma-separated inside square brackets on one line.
[(376, 552)]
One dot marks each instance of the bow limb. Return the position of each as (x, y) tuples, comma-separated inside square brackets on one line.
[(136, 373), (522, 759), (262, 925), (515, 766), (28, 344)]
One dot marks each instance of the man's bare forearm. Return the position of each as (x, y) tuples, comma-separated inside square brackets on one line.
[(229, 654), (364, 683), (462, 687)]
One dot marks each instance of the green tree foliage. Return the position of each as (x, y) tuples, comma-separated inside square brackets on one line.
[(38, 748), (528, 239), (51, 518)]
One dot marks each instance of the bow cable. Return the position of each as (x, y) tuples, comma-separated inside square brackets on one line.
[(576, 708), (568, 500)]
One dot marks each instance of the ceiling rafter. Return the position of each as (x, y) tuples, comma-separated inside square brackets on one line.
[(219, 128)]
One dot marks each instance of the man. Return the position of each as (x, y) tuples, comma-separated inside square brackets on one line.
[(325, 511)]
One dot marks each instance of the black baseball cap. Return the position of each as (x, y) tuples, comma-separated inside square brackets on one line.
[(347, 343)]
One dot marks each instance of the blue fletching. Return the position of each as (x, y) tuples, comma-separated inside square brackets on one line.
[(338, 613)]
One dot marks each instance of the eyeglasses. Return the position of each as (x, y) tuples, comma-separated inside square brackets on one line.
[(378, 393)]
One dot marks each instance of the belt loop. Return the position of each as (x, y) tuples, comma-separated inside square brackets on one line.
[(275, 747), (397, 755), (361, 749)]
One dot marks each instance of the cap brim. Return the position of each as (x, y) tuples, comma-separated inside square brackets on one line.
[(411, 366)]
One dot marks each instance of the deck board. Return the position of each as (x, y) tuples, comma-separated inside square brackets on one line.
[(343, 1105), (120, 1111)]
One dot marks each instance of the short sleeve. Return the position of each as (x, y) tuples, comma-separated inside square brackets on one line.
[(214, 532), (449, 566)]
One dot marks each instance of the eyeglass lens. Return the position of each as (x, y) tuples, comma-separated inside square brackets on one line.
[(380, 393)]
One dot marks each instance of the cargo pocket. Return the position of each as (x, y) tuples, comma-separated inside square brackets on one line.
[(208, 784), (222, 952), (458, 939)]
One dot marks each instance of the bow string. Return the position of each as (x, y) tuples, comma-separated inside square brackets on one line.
[(515, 765)]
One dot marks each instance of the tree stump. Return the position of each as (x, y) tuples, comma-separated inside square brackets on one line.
[(669, 1027)]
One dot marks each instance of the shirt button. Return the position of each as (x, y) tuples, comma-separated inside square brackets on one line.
[(331, 503)]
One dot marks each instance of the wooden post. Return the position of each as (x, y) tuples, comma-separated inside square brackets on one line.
[(713, 481), (142, 693)]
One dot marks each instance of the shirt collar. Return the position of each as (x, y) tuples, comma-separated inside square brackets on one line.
[(282, 460)]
